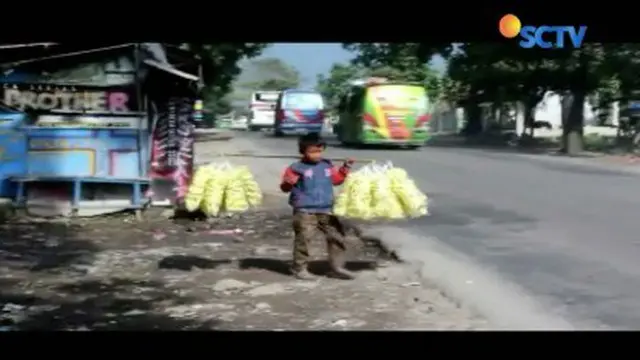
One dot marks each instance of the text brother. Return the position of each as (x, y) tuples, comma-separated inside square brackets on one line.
[(97, 101)]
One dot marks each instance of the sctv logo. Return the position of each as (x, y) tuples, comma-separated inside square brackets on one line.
[(545, 37)]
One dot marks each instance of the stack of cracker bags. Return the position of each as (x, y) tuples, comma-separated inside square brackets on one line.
[(380, 192), (222, 188)]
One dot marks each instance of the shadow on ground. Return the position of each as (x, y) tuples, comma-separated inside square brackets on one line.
[(278, 266), (506, 143), (117, 304), (45, 285), (494, 142), (42, 245), (317, 267)]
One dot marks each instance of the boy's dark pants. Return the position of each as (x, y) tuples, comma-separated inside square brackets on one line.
[(305, 227)]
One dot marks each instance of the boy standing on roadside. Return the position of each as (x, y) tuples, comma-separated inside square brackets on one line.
[(310, 183)]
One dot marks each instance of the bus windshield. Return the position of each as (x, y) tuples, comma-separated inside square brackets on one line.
[(303, 101), (401, 96)]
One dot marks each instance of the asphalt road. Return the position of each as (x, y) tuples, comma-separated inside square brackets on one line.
[(565, 231)]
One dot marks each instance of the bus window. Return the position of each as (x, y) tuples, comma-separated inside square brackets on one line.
[(269, 97)]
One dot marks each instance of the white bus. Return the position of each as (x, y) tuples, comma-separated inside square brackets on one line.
[(262, 110)]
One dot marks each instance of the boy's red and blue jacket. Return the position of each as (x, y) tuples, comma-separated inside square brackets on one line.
[(313, 190)]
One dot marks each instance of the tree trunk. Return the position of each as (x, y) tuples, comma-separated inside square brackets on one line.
[(530, 103), (496, 114), (473, 125), (573, 121), (529, 121), (521, 114), (614, 113)]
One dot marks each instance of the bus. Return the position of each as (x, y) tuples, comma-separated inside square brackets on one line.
[(262, 110), (383, 112)]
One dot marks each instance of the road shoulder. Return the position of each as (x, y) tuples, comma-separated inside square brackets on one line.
[(225, 274), (503, 303)]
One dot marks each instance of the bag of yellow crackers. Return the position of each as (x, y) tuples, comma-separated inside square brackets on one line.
[(380, 192), (222, 187)]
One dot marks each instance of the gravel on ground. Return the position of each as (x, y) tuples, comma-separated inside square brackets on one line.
[(230, 273)]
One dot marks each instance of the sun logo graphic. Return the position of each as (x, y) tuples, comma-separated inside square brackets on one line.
[(544, 36), (510, 26)]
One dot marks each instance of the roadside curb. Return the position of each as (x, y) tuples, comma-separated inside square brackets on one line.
[(199, 138)]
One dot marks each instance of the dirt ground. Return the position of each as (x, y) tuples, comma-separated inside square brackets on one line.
[(113, 273)]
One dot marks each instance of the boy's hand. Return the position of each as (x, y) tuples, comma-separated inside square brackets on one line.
[(348, 162), (291, 178)]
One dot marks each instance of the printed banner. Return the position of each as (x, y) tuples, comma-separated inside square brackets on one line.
[(172, 144), (185, 139)]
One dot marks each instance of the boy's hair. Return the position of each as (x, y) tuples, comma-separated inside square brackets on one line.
[(311, 139)]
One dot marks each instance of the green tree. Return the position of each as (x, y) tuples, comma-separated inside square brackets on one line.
[(374, 55), (220, 67), (271, 74), (575, 73), (404, 68), (333, 86), (402, 62), (497, 72), (218, 106), (505, 72)]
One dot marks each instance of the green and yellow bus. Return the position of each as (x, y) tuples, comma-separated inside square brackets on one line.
[(382, 112)]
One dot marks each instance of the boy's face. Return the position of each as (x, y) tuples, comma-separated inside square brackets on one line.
[(314, 153)]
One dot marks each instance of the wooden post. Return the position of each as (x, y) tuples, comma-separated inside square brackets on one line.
[(141, 107)]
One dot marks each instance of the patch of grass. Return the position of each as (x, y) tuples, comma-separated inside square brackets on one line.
[(600, 143)]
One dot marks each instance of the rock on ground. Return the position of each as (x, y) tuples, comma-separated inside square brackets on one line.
[(116, 273)]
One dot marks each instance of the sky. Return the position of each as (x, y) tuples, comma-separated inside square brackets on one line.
[(316, 58)]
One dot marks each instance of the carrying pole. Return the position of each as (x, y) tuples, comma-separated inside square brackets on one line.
[(284, 156)]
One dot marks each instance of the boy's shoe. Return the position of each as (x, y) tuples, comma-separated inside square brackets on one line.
[(342, 273), (338, 270), (304, 275)]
